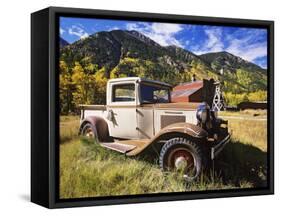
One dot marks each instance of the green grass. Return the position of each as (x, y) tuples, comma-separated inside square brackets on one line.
[(249, 132), (88, 170), (69, 126)]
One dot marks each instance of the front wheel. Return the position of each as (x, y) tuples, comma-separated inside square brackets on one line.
[(182, 155)]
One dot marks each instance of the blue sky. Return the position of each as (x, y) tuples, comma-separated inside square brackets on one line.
[(248, 43)]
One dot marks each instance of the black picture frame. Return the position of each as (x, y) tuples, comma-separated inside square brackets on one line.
[(45, 103)]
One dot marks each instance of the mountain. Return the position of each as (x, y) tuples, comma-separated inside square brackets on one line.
[(229, 62), (129, 53), (63, 43), (247, 75)]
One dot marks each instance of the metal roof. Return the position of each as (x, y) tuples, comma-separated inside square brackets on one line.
[(189, 85), (183, 93)]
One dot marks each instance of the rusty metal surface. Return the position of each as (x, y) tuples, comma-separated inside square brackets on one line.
[(184, 127), (187, 92), (140, 145), (189, 85), (188, 96), (120, 147), (137, 143), (130, 147)]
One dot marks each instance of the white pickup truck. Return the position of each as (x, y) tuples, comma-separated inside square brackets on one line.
[(140, 118)]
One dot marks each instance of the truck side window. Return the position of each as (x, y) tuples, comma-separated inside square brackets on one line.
[(124, 92)]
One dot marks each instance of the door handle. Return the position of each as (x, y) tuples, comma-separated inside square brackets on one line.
[(110, 115)]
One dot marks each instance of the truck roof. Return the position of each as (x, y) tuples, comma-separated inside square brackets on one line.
[(139, 79)]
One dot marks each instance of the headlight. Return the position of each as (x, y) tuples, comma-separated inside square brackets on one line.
[(203, 113)]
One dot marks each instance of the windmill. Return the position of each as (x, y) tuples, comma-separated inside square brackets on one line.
[(218, 100)]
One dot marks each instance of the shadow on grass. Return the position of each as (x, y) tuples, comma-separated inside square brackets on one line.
[(240, 165), (240, 162)]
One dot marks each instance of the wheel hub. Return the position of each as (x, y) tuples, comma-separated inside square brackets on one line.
[(89, 133), (180, 163), (181, 159)]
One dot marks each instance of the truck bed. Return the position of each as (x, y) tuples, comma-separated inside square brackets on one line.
[(92, 107)]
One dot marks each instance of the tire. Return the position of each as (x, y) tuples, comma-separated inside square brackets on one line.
[(90, 131), (183, 155)]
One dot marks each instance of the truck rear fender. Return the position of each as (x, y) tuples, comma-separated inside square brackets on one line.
[(99, 123)]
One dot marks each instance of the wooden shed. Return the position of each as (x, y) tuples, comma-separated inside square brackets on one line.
[(188, 92)]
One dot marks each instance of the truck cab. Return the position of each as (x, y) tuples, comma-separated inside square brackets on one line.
[(140, 108)]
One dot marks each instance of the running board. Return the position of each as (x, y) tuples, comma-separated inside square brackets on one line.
[(120, 147)]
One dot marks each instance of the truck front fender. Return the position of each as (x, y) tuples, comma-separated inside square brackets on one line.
[(99, 123), (169, 132), (184, 128)]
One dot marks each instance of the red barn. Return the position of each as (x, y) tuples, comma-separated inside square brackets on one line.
[(188, 92)]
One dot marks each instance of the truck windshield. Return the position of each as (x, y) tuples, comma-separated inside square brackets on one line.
[(154, 94)]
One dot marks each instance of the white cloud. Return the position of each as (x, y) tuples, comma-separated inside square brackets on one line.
[(162, 33), (243, 43), (62, 31), (213, 43), (247, 50), (134, 26), (113, 28), (166, 28), (78, 31)]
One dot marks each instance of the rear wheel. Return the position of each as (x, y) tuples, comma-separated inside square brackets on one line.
[(182, 155), (90, 131)]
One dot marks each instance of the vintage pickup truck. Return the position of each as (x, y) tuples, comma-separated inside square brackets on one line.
[(140, 118)]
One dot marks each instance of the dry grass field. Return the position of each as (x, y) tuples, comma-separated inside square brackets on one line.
[(88, 170)]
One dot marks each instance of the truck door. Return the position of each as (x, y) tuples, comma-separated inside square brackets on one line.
[(122, 110)]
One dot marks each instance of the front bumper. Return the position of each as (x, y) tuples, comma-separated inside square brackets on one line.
[(215, 150)]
